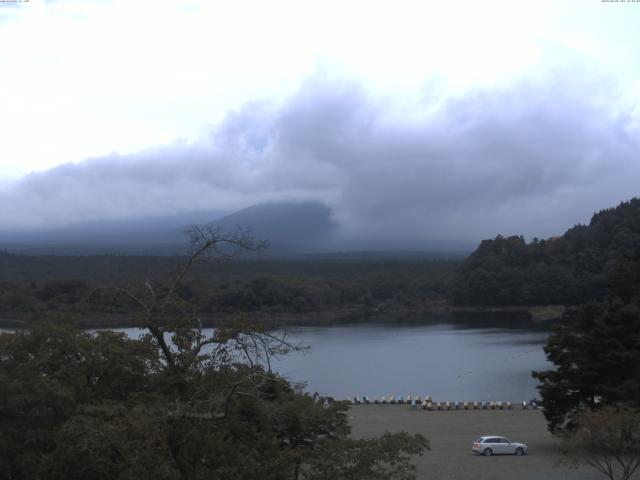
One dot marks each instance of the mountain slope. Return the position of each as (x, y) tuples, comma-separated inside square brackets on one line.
[(290, 227), (138, 235), (588, 263)]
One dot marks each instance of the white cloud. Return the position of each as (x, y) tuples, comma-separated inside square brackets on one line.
[(85, 78), (492, 161)]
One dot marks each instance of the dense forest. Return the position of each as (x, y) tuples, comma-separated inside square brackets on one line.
[(31, 286), (588, 263)]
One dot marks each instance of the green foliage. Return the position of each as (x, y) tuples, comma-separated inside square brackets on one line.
[(607, 440), (49, 374), (77, 405), (30, 287), (175, 404), (588, 263), (597, 362)]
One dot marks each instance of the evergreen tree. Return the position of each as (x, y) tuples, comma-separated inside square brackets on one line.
[(597, 362)]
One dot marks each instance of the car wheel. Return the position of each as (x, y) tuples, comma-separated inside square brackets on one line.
[(519, 451), (487, 452)]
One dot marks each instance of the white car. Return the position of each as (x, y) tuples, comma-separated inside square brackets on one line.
[(495, 445)]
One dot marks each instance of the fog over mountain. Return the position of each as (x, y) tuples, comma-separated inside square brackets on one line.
[(386, 173), (163, 234)]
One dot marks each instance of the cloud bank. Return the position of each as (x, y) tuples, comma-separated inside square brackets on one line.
[(531, 158)]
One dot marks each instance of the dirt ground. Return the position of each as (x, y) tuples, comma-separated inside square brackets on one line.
[(451, 434)]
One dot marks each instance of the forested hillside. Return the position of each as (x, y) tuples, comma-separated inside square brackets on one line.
[(31, 286), (588, 263)]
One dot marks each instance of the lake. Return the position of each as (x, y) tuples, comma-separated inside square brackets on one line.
[(446, 361)]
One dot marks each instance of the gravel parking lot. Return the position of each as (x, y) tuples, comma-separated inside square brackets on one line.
[(451, 434)]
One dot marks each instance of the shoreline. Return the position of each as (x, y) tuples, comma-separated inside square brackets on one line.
[(536, 316)]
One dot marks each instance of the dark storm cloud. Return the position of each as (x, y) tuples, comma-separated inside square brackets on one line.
[(531, 158)]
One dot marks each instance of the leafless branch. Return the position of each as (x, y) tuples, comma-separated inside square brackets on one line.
[(147, 284)]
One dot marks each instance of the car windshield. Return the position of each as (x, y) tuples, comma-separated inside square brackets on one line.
[(478, 440)]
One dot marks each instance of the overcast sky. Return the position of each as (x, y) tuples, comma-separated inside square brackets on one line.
[(432, 119)]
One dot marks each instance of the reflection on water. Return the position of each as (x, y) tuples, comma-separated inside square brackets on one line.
[(445, 361), (439, 360)]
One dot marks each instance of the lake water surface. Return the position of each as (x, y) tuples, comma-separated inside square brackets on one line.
[(445, 361)]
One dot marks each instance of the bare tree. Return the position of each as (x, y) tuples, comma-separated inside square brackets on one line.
[(178, 334), (607, 440)]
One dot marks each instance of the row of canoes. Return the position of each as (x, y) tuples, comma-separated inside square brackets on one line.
[(427, 403)]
